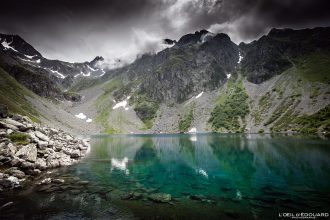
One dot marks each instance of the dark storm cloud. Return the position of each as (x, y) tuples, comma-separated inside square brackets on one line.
[(78, 30)]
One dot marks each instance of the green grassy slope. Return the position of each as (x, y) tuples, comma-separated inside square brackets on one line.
[(232, 105), (315, 67), (13, 94)]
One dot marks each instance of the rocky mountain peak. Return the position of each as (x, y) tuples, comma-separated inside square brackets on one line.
[(16, 44), (279, 31), (169, 41), (189, 39), (96, 60)]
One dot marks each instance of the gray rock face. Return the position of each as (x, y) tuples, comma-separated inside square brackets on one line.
[(12, 148), (28, 152), (41, 164), (41, 136), (275, 52), (14, 123), (75, 154), (8, 126), (33, 137), (27, 165), (3, 111), (13, 180), (160, 197), (14, 171), (191, 66), (42, 144)]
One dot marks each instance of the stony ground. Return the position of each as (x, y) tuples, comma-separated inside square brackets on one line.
[(28, 149)]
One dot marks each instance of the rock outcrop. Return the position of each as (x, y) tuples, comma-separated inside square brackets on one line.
[(27, 149)]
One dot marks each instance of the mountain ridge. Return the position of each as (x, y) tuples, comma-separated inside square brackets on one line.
[(205, 82)]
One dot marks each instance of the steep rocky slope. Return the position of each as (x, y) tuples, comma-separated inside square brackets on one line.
[(45, 77), (252, 87)]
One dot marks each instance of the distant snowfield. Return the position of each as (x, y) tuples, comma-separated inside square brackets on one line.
[(121, 104), (240, 57), (85, 74), (7, 46), (30, 57), (89, 67), (81, 116), (199, 95), (60, 75), (103, 72), (31, 61)]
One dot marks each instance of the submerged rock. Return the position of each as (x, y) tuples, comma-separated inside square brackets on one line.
[(197, 197), (58, 181), (160, 197), (14, 171)]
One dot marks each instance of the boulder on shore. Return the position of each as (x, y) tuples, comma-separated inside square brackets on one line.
[(27, 149)]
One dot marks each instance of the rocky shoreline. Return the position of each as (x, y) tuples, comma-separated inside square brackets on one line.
[(27, 149)]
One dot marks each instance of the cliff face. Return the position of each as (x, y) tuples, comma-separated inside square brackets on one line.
[(43, 76), (279, 50)]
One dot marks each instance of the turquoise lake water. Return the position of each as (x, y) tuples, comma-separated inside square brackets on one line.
[(208, 176)]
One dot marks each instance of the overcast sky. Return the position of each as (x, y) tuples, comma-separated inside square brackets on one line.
[(76, 30)]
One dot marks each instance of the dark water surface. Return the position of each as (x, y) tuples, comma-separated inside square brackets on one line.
[(208, 176)]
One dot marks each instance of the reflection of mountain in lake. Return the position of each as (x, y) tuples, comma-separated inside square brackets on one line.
[(212, 164)]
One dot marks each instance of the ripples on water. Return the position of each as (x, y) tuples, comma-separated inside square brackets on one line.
[(208, 176)]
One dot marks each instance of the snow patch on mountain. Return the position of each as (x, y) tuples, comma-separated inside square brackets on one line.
[(240, 57), (122, 104), (60, 75), (85, 74), (192, 130), (31, 61), (81, 116), (89, 67), (103, 72), (199, 95), (30, 57), (7, 46)]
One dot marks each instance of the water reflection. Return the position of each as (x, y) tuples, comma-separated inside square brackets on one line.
[(248, 162), (120, 164), (208, 176)]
